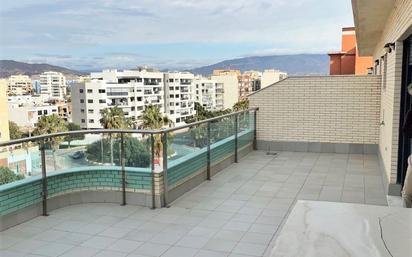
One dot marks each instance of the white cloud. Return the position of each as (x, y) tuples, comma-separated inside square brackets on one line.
[(70, 26)]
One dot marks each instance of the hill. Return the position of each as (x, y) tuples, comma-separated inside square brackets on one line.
[(299, 64), (9, 67)]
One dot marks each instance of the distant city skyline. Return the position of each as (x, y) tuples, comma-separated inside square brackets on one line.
[(167, 33)]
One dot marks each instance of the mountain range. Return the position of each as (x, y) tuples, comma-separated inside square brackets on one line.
[(299, 64), (10, 67)]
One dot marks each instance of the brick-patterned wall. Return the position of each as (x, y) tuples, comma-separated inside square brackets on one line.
[(326, 109), (398, 26)]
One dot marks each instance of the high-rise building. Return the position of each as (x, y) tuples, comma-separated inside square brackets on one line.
[(132, 90), (4, 115), (347, 60), (179, 99), (205, 93), (227, 88), (53, 84), (271, 76), (19, 85)]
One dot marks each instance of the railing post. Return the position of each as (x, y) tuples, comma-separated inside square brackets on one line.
[(122, 160), (236, 130), (254, 130), (153, 171), (208, 177), (44, 177), (165, 182)]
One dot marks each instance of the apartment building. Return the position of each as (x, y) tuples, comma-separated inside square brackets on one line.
[(28, 115), (227, 88), (347, 60), (19, 85), (130, 90), (179, 98), (53, 84), (4, 115), (271, 76), (205, 93)]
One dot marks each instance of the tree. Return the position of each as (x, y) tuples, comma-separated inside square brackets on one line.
[(48, 125), (112, 118), (241, 105), (152, 118), (73, 127), (15, 132), (8, 176), (136, 153)]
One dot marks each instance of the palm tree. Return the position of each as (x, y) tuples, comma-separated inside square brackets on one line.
[(51, 124), (112, 118), (152, 118)]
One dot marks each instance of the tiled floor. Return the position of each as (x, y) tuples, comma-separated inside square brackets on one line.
[(236, 214)]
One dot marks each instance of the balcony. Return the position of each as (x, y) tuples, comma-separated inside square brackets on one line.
[(225, 198)]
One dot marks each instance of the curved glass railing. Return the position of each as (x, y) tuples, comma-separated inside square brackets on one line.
[(36, 169)]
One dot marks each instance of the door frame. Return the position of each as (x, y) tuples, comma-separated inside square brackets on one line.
[(404, 148)]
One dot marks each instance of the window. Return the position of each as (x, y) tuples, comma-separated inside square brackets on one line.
[(82, 110), (91, 121), (90, 111), (89, 90), (171, 88), (90, 101), (102, 101), (171, 80), (83, 121), (102, 91), (39, 113), (139, 99), (177, 120), (81, 91), (172, 112), (172, 96), (385, 69), (82, 101), (54, 110), (177, 96), (45, 112)]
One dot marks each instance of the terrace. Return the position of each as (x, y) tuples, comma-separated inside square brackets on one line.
[(224, 197)]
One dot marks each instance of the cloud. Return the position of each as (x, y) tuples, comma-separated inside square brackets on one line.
[(92, 29)]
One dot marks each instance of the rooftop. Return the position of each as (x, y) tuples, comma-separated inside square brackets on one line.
[(237, 213)]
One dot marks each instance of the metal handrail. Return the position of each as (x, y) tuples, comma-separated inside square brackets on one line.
[(114, 131), (164, 132)]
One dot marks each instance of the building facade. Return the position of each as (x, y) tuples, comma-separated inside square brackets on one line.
[(132, 90), (205, 93), (347, 60), (384, 31), (53, 84), (227, 89), (271, 76), (19, 85), (179, 98)]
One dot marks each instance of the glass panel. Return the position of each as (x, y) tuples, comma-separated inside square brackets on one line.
[(20, 173), (186, 152)]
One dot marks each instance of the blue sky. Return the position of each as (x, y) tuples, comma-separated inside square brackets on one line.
[(178, 34)]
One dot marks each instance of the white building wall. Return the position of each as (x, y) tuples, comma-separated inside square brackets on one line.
[(179, 99), (53, 84), (270, 77), (230, 91), (398, 27), (205, 93)]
